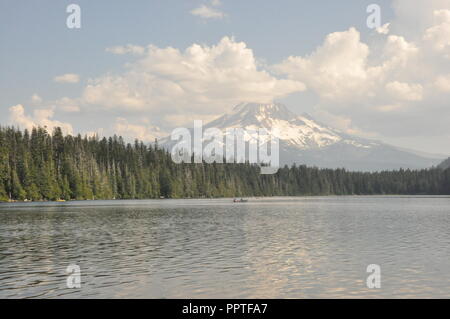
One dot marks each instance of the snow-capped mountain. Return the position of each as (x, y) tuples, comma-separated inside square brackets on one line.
[(301, 132), (306, 141)]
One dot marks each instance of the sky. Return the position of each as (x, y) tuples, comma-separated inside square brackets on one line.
[(142, 68)]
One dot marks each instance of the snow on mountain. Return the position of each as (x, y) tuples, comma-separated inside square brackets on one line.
[(298, 131), (306, 141)]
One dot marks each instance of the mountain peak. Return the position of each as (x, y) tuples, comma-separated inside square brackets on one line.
[(254, 114), (298, 131), (258, 106), (273, 110)]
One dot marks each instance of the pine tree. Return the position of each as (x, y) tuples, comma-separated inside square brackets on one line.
[(40, 166)]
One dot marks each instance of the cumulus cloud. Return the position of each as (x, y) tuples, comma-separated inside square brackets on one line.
[(438, 36), (384, 29), (41, 117), (360, 85), (202, 80), (340, 71), (337, 69), (442, 83), (67, 78), (146, 133), (412, 18), (405, 91), (206, 12)]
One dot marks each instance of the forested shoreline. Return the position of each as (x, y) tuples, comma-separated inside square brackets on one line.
[(38, 166)]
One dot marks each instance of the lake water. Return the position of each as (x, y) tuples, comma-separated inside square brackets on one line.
[(309, 247)]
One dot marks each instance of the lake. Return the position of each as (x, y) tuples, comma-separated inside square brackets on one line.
[(302, 247)]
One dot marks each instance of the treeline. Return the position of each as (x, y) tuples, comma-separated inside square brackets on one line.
[(37, 166)]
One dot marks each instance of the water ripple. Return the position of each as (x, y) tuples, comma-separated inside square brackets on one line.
[(268, 248)]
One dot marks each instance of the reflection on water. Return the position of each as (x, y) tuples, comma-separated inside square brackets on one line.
[(266, 248)]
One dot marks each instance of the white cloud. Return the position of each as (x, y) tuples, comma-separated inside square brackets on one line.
[(388, 108), (442, 83), (127, 49), (398, 52), (336, 70), (41, 117), (438, 36), (405, 91), (202, 80), (384, 29), (144, 133), (36, 99), (180, 120), (341, 71), (67, 78), (343, 123), (412, 18), (378, 84), (206, 12)]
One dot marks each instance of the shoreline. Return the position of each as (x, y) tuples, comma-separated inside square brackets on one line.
[(230, 198)]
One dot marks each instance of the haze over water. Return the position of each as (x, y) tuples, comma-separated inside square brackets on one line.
[(267, 248)]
